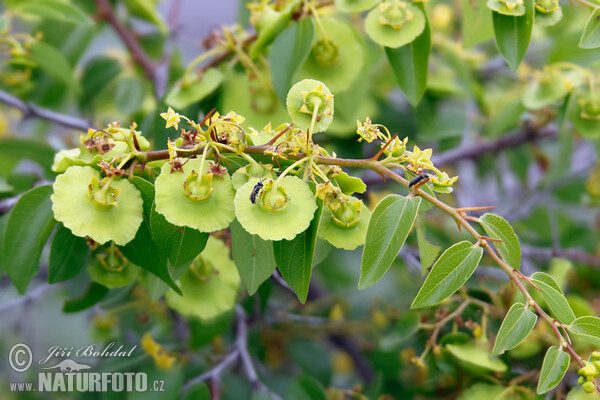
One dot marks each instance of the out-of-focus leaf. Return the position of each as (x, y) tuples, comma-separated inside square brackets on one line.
[(513, 34), (29, 224), (68, 255), (147, 10), (410, 63), (183, 94), (94, 293), (476, 356), (306, 387), (253, 257), (54, 10), (476, 22), (498, 228), (452, 270), (33, 150), (389, 226), (98, 74), (288, 52), (555, 366), (428, 252), (554, 297), (517, 325), (590, 39), (130, 95), (51, 60)]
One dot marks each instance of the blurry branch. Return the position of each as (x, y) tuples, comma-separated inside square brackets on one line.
[(107, 13), (476, 150), (344, 343), (239, 354), (27, 298), (576, 255), (33, 111)]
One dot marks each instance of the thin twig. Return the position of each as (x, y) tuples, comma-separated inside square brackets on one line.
[(107, 13), (33, 111)]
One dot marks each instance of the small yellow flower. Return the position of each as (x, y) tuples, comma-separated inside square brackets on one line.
[(367, 131), (172, 118), (162, 359)]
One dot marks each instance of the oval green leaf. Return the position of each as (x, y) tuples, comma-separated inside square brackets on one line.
[(51, 60), (295, 257), (554, 297), (586, 329), (253, 257), (554, 368), (476, 22), (391, 222), (513, 34), (428, 251), (288, 52), (517, 325), (499, 228), (68, 255), (410, 63), (476, 356), (590, 39), (454, 267), (28, 227)]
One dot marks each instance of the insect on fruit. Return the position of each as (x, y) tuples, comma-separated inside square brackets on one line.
[(418, 179), (255, 191)]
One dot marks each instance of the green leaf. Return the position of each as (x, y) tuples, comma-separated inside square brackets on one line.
[(295, 257), (590, 39), (143, 250), (29, 224), (68, 255), (181, 96), (288, 52), (513, 34), (3, 221), (180, 244), (555, 366), (33, 150), (410, 63), (350, 184), (389, 226), (253, 257), (54, 10), (428, 252), (147, 10), (498, 228), (97, 75), (130, 95), (586, 329), (94, 293), (306, 387), (51, 60), (554, 297), (475, 356), (476, 22), (452, 270), (517, 325)]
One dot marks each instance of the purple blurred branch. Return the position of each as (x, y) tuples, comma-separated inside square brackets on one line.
[(239, 354), (33, 111)]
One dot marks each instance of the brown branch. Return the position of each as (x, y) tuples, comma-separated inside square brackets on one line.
[(576, 255), (107, 13)]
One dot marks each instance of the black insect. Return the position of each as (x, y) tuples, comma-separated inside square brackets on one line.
[(255, 191), (417, 179)]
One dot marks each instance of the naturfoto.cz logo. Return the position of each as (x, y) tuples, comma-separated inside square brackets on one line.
[(71, 376)]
